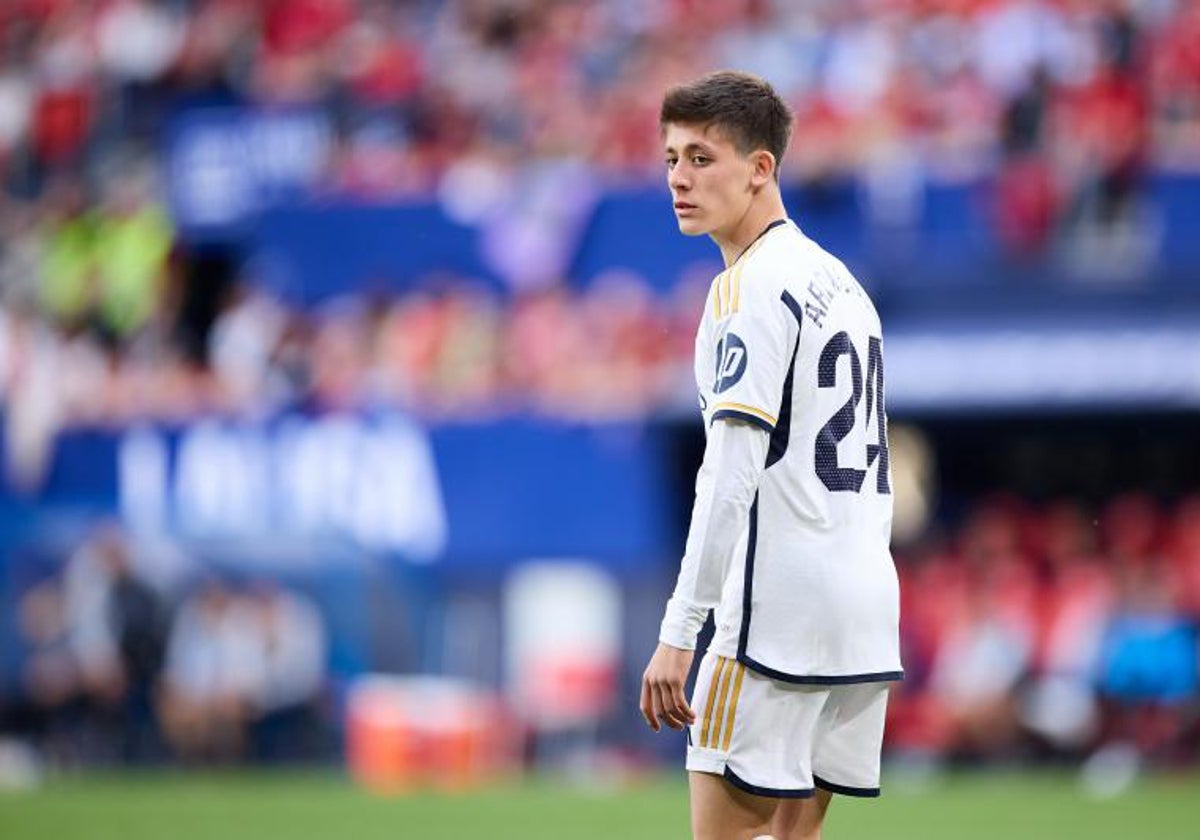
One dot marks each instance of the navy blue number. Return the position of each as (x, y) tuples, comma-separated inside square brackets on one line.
[(838, 478), (875, 400), (834, 476)]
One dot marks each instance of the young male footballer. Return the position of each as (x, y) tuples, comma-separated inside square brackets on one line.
[(790, 528)]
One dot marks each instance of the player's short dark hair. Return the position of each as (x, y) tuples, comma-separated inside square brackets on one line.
[(743, 105)]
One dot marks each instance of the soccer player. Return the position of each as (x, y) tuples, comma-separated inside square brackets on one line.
[(791, 523)]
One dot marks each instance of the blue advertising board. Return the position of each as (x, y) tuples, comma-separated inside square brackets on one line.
[(467, 497)]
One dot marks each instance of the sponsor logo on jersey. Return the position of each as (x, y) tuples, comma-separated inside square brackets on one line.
[(731, 362)]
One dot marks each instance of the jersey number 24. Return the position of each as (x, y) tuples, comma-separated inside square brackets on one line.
[(825, 457)]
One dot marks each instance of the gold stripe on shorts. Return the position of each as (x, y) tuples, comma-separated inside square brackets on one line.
[(708, 706), (737, 692), (716, 739)]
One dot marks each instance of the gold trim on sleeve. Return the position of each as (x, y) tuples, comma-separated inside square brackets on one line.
[(748, 409)]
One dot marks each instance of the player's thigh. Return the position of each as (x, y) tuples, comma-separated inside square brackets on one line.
[(721, 811), (849, 740)]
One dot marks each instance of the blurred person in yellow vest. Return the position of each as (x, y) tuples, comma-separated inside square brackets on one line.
[(69, 234), (105, 269)]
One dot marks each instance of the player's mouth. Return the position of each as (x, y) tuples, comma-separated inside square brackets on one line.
[(683, 208)]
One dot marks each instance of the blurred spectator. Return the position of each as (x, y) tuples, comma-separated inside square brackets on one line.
[(241, 349), (95, 639), (1027, 195), (1058, 704), (120, 635), (1149, 669), (1175, 84), (65, 103), (244, 675), (68, 273), (1106, 118), (105, 269), (977, 670), (214, 665), (288, 722), (1182, 552), (338, 358), (132, 248), (47, 707)]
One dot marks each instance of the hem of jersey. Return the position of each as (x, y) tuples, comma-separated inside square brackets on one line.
[(722, 413), (845, 790), (819, 679), (777, 793)]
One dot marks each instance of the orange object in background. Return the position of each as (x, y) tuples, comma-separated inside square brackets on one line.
[(410, 732)]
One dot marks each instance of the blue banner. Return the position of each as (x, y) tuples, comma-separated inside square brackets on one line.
[(472, 497), (225, 165)]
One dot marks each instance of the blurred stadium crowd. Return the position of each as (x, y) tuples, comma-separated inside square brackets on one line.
[(1066, 104), (1049, 630), (421, 87), (1029, 629)]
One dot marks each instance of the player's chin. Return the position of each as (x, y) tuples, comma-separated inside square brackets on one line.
[(689, 226)]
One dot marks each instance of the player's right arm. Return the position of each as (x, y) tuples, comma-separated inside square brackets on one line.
[(734, 459), (725, 487), (755, 339)]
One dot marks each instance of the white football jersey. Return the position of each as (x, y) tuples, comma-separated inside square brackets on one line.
[(790, 342)]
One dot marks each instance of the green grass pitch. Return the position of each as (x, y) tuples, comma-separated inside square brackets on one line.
[(291, 806)]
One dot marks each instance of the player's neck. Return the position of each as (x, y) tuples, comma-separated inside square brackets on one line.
[(766, 209)]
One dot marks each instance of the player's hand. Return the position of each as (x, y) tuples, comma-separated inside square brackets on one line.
[(662, 689)]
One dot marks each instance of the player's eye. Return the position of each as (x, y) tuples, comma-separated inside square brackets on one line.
[(671, 162), (700, 160)]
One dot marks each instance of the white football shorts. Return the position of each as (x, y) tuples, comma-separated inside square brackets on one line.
[(781, 739)]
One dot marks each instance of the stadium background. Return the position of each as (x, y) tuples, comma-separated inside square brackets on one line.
[(343, 338)]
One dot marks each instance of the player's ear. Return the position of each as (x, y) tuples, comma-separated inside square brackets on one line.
[(764, 167)]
